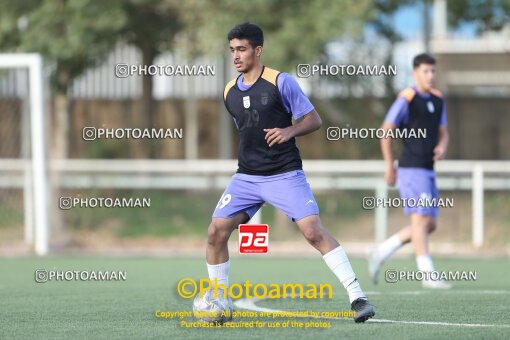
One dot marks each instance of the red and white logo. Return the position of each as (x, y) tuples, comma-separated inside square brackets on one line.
[(253, 238)]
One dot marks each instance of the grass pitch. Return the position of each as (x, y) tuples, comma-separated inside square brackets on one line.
[(126, 309)]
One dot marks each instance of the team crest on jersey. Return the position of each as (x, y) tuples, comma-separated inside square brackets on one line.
[(264, 98), (246, 102), (430, 106)]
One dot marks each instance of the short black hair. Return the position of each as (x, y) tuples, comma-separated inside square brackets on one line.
[(423, 58), (248, 31)]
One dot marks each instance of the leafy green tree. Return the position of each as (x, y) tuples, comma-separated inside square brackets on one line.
[(151, 26), (485, 14), (72, 35), (297, 30)]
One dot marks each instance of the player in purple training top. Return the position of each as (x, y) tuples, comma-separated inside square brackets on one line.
[(419, 107), (263, 102)]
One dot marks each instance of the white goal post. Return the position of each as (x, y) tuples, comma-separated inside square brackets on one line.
[(36, 183)]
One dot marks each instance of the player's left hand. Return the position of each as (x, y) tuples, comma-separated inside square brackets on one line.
[(439, 152), (277, 135)]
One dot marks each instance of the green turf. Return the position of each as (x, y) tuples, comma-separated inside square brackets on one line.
[(62, 310)]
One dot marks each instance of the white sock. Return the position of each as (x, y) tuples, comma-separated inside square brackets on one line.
[(388, 247), (425, 263), (339, 264), (220, 272)]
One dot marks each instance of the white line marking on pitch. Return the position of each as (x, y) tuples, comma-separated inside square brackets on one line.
[(423, 292), (249, 304)]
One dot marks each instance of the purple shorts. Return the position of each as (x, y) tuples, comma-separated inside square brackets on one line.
[(415, 184), (289, 192)]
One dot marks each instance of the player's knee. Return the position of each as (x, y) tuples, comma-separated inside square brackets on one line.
[(432, 226), (421, 223), (313, 235), (217, 232)]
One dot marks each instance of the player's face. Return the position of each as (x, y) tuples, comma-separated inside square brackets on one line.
[(244, 55), (425, 76)]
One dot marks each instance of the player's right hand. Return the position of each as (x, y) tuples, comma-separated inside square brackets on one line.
[(390, 175)]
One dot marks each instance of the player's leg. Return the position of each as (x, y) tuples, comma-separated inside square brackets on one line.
[(214, 303), (393, 243), (423, 222), (422, 226), (386, 249), (237, 205), (314, 232), (293, 196), (402, 237), (412, 184), (337, 260), (417, 233), (218, 234), (240, 201), (420, 233), (333, 254)]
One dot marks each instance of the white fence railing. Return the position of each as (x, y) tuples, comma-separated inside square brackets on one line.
[(474, 176)]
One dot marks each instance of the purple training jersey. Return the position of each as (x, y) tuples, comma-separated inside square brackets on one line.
[(293, 98), (288, 191), (415, 183), (399, 110)]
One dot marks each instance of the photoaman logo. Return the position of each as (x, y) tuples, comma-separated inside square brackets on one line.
[(253, 238)]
